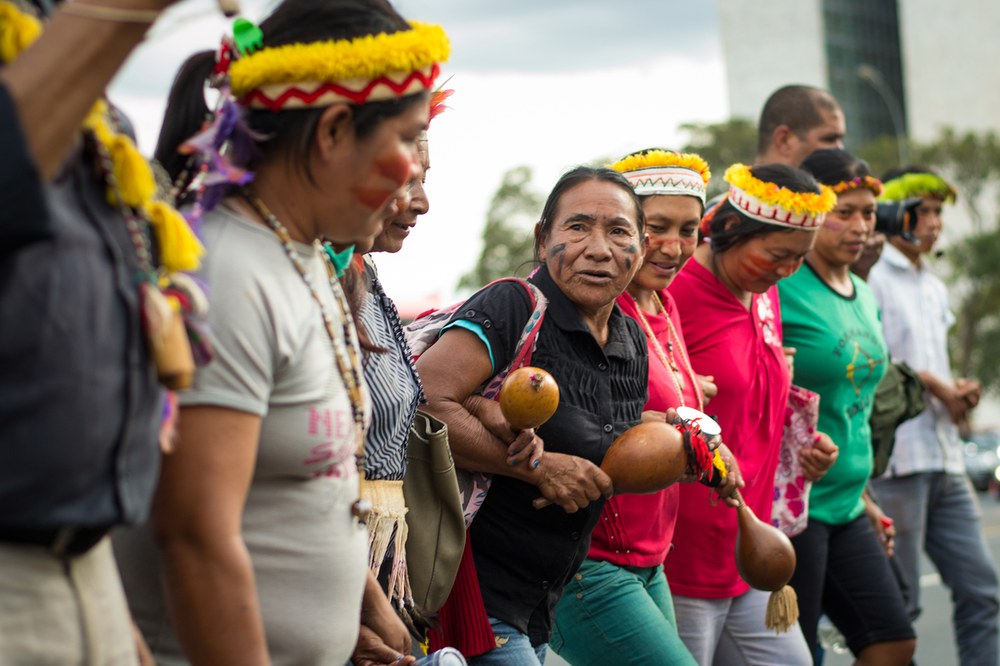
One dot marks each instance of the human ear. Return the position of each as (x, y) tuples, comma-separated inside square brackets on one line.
[(335, 127), (540, 242), (782, 139)]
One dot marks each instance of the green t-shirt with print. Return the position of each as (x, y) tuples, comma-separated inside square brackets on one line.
[(841, 356)]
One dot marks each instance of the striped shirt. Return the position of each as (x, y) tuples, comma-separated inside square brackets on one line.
[(392, 382)]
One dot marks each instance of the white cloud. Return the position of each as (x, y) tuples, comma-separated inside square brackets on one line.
[(546, 117)]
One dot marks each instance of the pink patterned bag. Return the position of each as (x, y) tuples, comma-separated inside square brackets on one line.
[(790, 511)]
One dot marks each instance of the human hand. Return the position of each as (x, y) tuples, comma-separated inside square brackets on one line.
[(378, 615), (883, 525), (371, 650), (818, 459), (141, 648), (950, 394), (790, 353), (969, 390), (523, 445), (570, 481), (526, 446), (708, 387), (734, 478), (651, 415)]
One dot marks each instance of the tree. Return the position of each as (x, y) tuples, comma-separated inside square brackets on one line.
[(508, 242), (721, 144)]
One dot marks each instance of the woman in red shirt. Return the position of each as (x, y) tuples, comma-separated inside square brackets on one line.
[(617, 609), (731, 319)]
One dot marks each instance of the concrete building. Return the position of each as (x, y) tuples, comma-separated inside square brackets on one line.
[(897, 66)]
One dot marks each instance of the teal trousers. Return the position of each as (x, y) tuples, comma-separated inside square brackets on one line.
[(611, 614)]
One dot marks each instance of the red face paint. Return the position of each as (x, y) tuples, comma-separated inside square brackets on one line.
[(755, 267), (396, 168), (372, 197)]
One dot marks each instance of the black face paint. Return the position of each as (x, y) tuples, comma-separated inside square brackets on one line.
[(628, 264), (632, 249), (558, 250)]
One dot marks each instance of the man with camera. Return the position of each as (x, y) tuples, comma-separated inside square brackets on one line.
[(925, 488)]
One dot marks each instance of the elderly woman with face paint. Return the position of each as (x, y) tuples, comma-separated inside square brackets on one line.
[(831, 317), (588, 240), (617, 609), (731, 321), (393, 384), (257, 517)]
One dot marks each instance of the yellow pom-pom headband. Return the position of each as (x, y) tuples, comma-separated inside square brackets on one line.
[(365, 69), (665, 172), (770, 203), (861, 182), (918, 185)]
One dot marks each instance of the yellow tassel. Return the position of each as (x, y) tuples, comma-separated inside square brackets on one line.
[(180, 249), (132, 173), (782, 610), (18, 31)]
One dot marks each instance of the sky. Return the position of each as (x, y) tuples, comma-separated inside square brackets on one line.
[(549, 84)]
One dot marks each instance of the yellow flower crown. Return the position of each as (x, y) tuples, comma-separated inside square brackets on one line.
[(134, 185), (917, 185), (865, 182), (658, 158), (773, 204), (665, 172), (366, 68)]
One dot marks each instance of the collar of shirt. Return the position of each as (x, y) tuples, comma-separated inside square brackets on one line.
[(896, 259), (563, 313)]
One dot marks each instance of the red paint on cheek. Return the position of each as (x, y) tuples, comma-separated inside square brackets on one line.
[(372, 197), (756, 267), (396, 168)]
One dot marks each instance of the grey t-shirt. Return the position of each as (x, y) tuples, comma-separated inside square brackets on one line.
[(274, 359)]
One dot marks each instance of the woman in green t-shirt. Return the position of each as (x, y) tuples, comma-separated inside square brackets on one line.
[(831, 318)]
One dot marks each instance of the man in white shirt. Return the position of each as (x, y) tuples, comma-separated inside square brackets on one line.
[(925, 488)]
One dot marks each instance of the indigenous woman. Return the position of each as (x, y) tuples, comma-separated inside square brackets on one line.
[(830, 316), (588, 240), (394, 388), (617, 609), (731, 320), (257, 515)]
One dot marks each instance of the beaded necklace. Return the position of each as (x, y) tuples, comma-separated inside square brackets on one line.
[(344, 343), (667, 358)]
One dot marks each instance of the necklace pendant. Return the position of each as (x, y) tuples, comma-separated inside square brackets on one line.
[(670, 347)]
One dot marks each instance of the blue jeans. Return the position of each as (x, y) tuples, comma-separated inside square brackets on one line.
[(610, 614), (940, 513), (513, 648)]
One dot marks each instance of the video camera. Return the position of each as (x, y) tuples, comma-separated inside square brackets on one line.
[(898, 218)]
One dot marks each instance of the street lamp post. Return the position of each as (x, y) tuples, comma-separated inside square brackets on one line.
[(874, 78)]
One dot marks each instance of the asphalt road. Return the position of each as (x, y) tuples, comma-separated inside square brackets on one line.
[(935, 639)]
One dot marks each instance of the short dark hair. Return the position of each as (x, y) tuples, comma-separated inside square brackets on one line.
[(288, 132), (798, 107), (747, 228), (831, 166), (571, 179)]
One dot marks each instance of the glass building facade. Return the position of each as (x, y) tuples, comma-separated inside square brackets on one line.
[(864, 67)]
